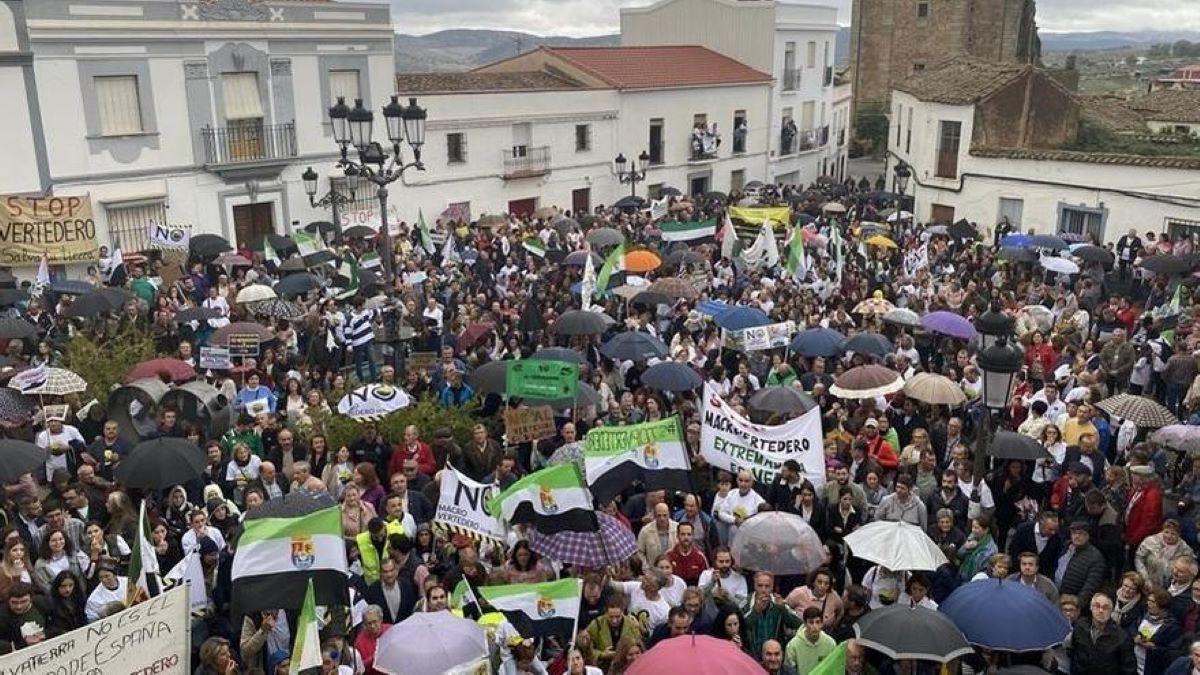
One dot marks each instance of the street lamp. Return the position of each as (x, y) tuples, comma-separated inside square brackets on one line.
[(993, 326), (903, 172), (1000, 364), (627, 172), (332, 199), (353, 127)]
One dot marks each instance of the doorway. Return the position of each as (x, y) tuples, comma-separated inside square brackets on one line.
[(941, 214), (698, 185), (581, 201), (252, 222), (522, 208)]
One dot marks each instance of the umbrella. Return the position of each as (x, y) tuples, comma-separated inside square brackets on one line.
[(255, 293), (902, 316), (866, 382), (319, 257), (490, 378), (117, 297), (632, 346), (675, 287), (279, 242), (695, 655), (568, 453), (492, 220), (779, 543), (72, 287), (359, 232), (557, 354), (321, 226), (373, 402), (16, 329), (160, 463), (585, 395), (630, 202), (604, 237), (916, 633), (579, 259), (221, 337), (1059, 265), (1040, 315), (18, 458), (949, 323), (612, 544), (1047, 241), (962, 230), (642, 260), (1168, 265), (1016, 239), (293, 264), (1017, 254), (472, 334), (179, 371), (670, 191), (1182, 437), (196, 314), (208, 245), (873, 344), (934, 390), (1093, 254), (873, 306), (684, 256), (716, 195), (784, 400), (1005, 616), (814, 342), (1144, 412), (671, 376), (15, 407), (278, 308), (741, 318), (233, 259), (896, 545), (649, 299), (579, 322), (12, 296), (881, 241), (833, 207), (430, 643), (59, 382), (292, 505), (1011, 445), (938, 229), (295, 285), (88, 306), (877, 229), (899, 215)]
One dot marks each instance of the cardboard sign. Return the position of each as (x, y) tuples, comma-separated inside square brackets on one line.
[(529, 424), (215, 358), (258, 407), (61, 227), (761, 337), (546, 380), (161, 235), (244, 345), (422, 360)]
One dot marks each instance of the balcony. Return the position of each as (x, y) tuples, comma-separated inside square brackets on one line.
[(791, 79), (828, 81), (823, 136), (808, 140), (249, 149), (526, 162), (702, 147)]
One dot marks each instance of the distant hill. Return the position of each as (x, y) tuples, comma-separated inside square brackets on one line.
[(1105, 40), (456, 50)]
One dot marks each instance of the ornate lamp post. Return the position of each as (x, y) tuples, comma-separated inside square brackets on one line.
[(627, 172), (333, 199), (1000, 364)]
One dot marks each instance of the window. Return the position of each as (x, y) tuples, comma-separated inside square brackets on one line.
[(456, 148), (242, 100), (899, 123), (811, 61), (808, 113), (1011, 211), (1081, 220), (343, 84), (949, 137), (908, 135), (656, 141), (699, 119), (918, 68), (737, 180), (119, 105), (787, 133), (654, 191), (790, 76), (128, 222), (922, 10), (583, 137), (740, 130)]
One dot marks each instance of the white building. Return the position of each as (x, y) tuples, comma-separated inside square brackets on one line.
[(806, 104), (200, 113), (988, 141), (542, 129)]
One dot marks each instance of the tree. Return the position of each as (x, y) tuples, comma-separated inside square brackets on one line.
[(104, 363), (871, 126)]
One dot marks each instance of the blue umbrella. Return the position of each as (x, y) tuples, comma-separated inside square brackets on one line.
[(872, 344), (1018, 240), (815, 342), (671, 376), (739, 318), (712, 307), (1005, 616), (632, 346)]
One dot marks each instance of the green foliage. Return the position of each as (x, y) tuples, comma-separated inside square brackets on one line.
[(1094, 138), (871, 126), (104, 363), (425, 414)]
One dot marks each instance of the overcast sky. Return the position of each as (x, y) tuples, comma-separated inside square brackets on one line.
[(596, 17)]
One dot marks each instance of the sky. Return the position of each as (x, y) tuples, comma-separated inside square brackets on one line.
[(597, 17)]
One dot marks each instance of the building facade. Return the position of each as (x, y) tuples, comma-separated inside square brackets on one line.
[(200, 114), (799, 55)]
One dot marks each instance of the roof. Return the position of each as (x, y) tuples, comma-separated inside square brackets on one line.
[(659, 66), (474, 82), (1163, 162), (1111, 112), (1169, 105), (962, 81)]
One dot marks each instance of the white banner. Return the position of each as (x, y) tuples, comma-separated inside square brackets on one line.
[(215, 358), (168, 236), (151, 637), (731, 442), (370, 218), (758, 338), (463, 505)]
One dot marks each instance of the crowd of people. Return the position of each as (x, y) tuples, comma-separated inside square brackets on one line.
[(1106, 529)]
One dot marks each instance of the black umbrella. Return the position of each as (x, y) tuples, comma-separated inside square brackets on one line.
[(671, 376), (208, 245), (294, 285), (1017, 254), (868, 343), (293, 264), (72, 287), (1011, 445), (160, 463), (632, 346), (319, 258), (1048, 241), (1094, 254), (683, 256), (322, 226), (490, 378), (579, 259), (18, 458), (579, 322), (359, 231), (916, 633), (280, 243), (116, 296), (784, 400), (1168, 265), (650, 299), (819, 341), (12, 296), (196, 314), (16, 329), (15, 406), (962, 230), (670, 191), (294, 504), (754, 185), (557, 354), (88, 306), (630, 202), (715, 195)]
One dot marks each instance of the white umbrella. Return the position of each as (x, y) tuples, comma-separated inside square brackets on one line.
[(429, 643), (896, 545), (256, 293), (779, 543), (899, 215), (373, 402), (1060, 265), (833, 207), (902, 316)]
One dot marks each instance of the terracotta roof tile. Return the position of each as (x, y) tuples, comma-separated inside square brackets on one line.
[(1191, 163), (961, 81), (659, 67), (469, 82), (1111, 112), (1169, 105)]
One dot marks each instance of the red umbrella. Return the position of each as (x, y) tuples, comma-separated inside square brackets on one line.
[(695, 655), (473, 334), (179, 371)]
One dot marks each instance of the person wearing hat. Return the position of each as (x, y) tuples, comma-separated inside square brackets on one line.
[(1081, 568), (878, 447), (1144, 514), (1069, 490)]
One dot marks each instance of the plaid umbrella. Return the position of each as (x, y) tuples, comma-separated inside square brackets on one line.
[(675, 287), (1144, 412), (874, 306), (278, 308), (59, 382), (866, 382), (571, 452), (613, 544)]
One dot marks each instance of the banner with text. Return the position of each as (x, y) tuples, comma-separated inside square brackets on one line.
[(62, 227), (165, 236), (150, 637), (760, 337), (462, 507), (760, 214), (542, 379), (522, 425), (731, 442), (369, 217)]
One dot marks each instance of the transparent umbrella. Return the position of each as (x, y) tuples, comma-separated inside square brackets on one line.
[(778, 542)]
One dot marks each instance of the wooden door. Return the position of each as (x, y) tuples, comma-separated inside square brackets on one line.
[(941, 214), (581, 201), (522, 207), (252, 222)]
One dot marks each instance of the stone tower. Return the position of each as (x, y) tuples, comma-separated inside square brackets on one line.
[(893, 39)]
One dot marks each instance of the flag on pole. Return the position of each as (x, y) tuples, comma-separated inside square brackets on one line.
[(554, 499), (675, 230), (143, 564), (835, 240), (538, 610), (463, 598), (834, 662), (277, 556), (306, 652), (269, 253), (426, 235), (43, 273), (450, 249), (116, 262), (615, 262), (657, 208), (307, 243), (797, 260), (588, 287), (189, 571), (370, 260), (534, 245), (729, 239), (653, 453), (348, 270)]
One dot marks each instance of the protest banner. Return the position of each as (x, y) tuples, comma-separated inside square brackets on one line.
[(422, 360), (61, 227), (150, 637), (215, 358), (651, 452), (522, 425), (731, 442), (161, 235), (548, 380), (244, 345), (757, 215), (462, 506), (369, 217), (760, 337)]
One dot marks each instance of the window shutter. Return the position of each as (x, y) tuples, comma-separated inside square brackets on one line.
[(343, 83), (127, 223), (242, 101), (119, 106), (462, 147)]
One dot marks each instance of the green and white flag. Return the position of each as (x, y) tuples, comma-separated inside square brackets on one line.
[(306, 651), (143, 564), (651, 452), (370, 260), (269, 253), (615, 262), (534, 245), (835, 240), (554, 499), (675, 230), (307, 243), (276, 557), (587, 288), (797, 260), (348, 270), (464, 598), (729, 239), (426, 235), (538, 610)]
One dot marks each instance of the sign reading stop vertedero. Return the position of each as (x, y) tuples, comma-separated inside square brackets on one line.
[(546, 380), (62, 228)]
